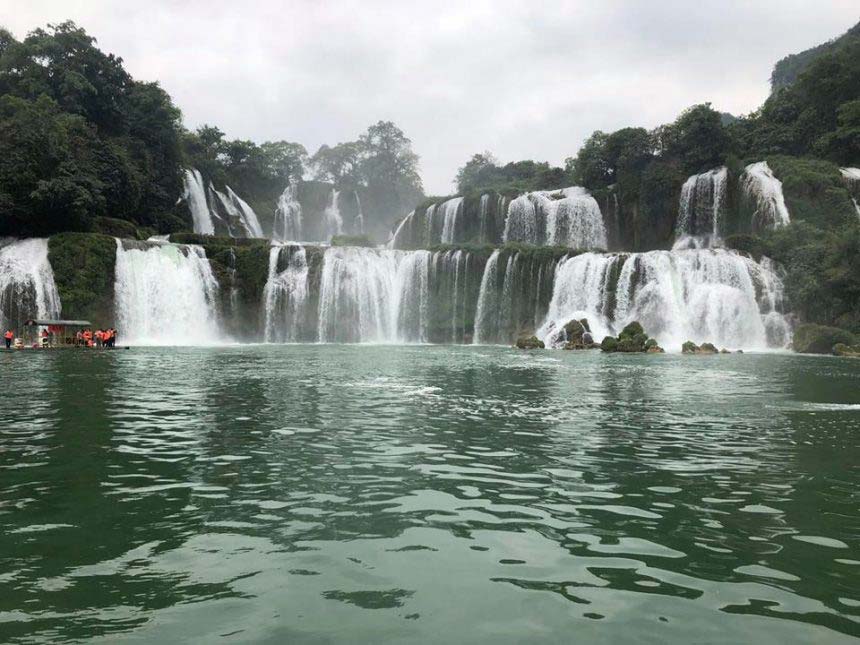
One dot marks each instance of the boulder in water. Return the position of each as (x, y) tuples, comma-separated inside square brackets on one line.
[(631, 330), (705, 348), (609, 344), (632, 339), (841, 349), (578, 335), (530, 342)]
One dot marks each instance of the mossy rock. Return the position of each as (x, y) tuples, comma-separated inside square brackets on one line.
[(655, 349), (530, 342), (820, 339), (609, 344), (841, 349), (708, 348), (632, 330), (689, 347)]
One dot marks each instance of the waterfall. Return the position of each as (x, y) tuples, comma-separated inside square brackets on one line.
[(451, 210), (430, 224), (195, 195), (514, 295), (764, 192), (569, 217), (27, 288), (165, 294), (521, 224), (851, 178), (483, 218), (285, 295), (333, 220), (700, 209), (403, 231), (248, 218), (288, 216), (369, 295), (714, 295), (359, 217), (486, 319)]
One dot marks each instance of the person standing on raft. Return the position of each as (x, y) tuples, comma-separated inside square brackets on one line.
[(9, 336)]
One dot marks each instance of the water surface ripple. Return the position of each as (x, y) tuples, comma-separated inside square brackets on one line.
[(367, 494)]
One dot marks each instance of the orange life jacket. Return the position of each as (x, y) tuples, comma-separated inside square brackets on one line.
[(9, 335)]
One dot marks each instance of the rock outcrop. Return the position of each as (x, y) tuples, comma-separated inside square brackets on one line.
[(632, 339), (529, 342)]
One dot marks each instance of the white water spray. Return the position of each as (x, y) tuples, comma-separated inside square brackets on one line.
[(764, 191), (165, 294), (27, 288)]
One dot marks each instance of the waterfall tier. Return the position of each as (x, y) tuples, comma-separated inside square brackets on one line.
[(165, 294), (703, 200), (27, 288), (570, 217), (714, 295), (763, 193), (215, 212), (348, 294), (288, 216)]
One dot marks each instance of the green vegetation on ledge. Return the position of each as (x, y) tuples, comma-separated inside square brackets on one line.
[(83, 265)]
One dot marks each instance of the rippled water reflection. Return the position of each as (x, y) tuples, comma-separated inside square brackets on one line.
[(317, 494)]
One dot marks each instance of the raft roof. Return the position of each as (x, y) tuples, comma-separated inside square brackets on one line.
[(59, 323)]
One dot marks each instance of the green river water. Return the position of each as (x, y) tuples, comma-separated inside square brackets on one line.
[(375, 494)]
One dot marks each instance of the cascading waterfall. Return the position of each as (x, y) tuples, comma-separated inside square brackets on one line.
[(701, 205), (764, 192), (286, 295), (362, 292), (288, 216), (333, 219), (214, 212), (714, 295), (27, 288), (359, 217), (370, 295), (484, 218), (451, 210), (248, 218), (402, 232), (195, 195), (514, 295), (165, 294), (569, 217)]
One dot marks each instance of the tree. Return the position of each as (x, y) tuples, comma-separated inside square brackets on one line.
[(476, 172), (697, 139), (390, 169), (340, 164), (284, 160)]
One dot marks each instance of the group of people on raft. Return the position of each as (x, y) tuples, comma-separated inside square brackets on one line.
[(97, 338), (84, 338)]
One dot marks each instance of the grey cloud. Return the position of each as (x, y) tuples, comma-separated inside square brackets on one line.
[(522, 79)]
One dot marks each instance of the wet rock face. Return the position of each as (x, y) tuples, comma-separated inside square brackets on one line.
[(705, 348), (529, 342), (577, 335)]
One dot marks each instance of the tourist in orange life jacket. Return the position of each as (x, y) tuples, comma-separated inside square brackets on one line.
[(9, 336)]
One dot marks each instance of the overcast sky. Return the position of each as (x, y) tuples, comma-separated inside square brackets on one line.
[(524, 79)]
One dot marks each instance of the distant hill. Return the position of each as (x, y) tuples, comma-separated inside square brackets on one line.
[(786, 71)]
